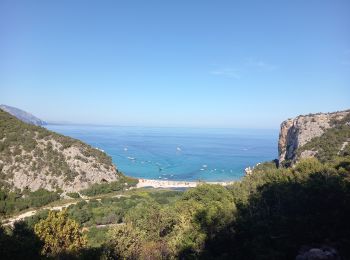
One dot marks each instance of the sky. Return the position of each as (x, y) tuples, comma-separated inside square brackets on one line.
[(240, 64)]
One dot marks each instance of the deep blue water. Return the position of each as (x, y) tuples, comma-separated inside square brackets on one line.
[(179, 153)]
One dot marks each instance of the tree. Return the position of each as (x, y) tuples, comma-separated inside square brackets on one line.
[(60, 234), (202, 213), (126, 242), (20, 242), (151, 218)]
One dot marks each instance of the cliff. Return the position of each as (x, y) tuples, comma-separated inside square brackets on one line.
[(314, 135), (23, 115), (31, 157)]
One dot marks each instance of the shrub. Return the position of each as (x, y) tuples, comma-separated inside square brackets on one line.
[(74, 195), (17, 201), (121, 184), (125, 242), (60, 234)]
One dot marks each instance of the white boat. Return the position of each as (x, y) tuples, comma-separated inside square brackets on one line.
[(99, 149)]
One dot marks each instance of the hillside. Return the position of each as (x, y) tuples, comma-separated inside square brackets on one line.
[(322, 135), (23, 115), (32, 157)]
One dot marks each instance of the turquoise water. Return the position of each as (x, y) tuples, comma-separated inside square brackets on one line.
[(179, 153)]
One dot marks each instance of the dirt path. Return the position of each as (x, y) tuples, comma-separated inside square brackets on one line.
[(22, 216), (11, 221)]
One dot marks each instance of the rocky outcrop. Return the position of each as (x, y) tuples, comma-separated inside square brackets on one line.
[(318, 253), (31, 157), (23, 115), (295, 133)]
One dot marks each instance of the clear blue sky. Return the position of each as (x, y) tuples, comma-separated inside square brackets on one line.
[(175, 63)]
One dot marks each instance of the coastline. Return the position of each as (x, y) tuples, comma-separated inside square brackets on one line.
[(176, 184)]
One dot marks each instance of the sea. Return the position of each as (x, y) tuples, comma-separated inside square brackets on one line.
[(184, 154)]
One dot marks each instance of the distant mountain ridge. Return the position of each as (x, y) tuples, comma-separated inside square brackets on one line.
[(23, 115)]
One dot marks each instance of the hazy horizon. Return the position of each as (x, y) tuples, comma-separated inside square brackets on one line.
[(262, 127), (52, 123), (224, 64)]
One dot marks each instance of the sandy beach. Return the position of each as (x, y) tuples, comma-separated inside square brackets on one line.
[(175, 184)]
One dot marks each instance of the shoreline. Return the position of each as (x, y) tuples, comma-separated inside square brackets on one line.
[(176, 184)]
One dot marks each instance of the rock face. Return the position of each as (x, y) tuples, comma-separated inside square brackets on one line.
[(22, 115), (298, 131), (32, 157), (318, 253)]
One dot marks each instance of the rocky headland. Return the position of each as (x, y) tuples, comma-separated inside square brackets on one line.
[(297, 132)]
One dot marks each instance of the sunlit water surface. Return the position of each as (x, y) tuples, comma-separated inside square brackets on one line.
[(179, 153)]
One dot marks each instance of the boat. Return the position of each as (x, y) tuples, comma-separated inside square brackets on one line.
[(99, 149)]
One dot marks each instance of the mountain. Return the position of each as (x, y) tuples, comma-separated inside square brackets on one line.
[(23, 115), (33, 157), (322, 135)]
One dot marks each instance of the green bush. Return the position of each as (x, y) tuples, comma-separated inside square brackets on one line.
[(74, 195), (121, 184), (11, 202)]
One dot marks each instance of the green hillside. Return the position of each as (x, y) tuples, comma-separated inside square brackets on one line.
[(47, 159)]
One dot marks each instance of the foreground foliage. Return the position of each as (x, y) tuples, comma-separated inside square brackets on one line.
[(19, 243), (59, 234), (294, 208), (270, 214)]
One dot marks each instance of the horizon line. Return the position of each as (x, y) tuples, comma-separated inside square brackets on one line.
[(155, 126)]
